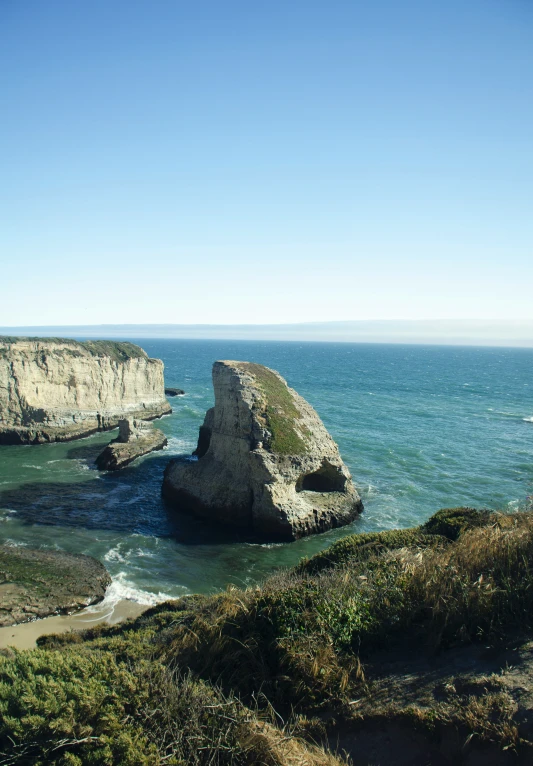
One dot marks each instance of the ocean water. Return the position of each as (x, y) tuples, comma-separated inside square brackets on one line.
[(419, 427)]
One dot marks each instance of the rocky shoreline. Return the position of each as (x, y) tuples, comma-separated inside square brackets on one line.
[(36, 583)]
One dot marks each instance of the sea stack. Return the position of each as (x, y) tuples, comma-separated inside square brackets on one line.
[(135, 439), (57, 389), (265, 461)]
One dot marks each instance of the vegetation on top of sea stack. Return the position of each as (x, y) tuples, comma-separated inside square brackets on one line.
[(280, 413)]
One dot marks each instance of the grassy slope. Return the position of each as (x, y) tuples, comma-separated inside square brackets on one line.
[(219, 666)]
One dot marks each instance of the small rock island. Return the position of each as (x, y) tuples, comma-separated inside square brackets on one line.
[(174, 392), (135, 439), (265, 461), (59, 389)]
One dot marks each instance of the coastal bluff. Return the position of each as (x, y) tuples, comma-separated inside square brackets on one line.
[(265, 463), (54, 389)]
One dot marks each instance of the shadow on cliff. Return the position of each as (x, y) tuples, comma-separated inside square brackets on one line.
[(127, 501)]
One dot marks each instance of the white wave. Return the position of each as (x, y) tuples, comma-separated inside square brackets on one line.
[(528, 420), (142, 553), (37, 467), (180, 445), (114, 554), (121, 589), (14, 544), (192, 411)]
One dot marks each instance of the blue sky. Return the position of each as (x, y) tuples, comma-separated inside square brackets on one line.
[(247, 162)]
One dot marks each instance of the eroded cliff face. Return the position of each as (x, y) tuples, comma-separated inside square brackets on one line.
[(57, 390), (265, 460)]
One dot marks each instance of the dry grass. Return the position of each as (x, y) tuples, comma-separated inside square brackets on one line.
[(301, 638), (482, 585), (297, 645), (478, 708), (270, 746)]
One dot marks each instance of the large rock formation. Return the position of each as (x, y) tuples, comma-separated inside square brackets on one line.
[(265, 460), (135, 439), (55, 390)]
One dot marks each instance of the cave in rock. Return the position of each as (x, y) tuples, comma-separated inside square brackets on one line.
[(327, 479)]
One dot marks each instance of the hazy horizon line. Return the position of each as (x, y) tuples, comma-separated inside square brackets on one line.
[(468, 332)]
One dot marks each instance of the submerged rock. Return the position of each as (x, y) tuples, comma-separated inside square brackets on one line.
[(57, 389), (38, 583), (265, 460), (135, 439), (174, 392)]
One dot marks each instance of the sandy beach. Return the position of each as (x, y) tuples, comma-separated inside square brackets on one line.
[(24, 636)]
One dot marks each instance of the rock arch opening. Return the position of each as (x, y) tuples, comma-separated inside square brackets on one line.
[(328, 478)]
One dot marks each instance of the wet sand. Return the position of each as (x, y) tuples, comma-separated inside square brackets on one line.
[(24, 636)]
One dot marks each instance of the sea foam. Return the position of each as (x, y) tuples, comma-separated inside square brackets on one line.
[(122, 589)]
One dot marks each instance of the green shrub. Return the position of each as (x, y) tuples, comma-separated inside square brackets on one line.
[(53, 703), (452, 522), (361, 547)]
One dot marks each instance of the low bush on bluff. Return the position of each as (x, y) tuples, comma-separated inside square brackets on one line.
[(78, 707), (452, 522), (302, 636), (362, 547)]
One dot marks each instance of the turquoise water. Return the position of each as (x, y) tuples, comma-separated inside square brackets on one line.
[(419, 427)]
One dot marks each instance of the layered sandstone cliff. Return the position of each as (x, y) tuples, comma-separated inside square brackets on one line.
[(56, 390), (265, 460)]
